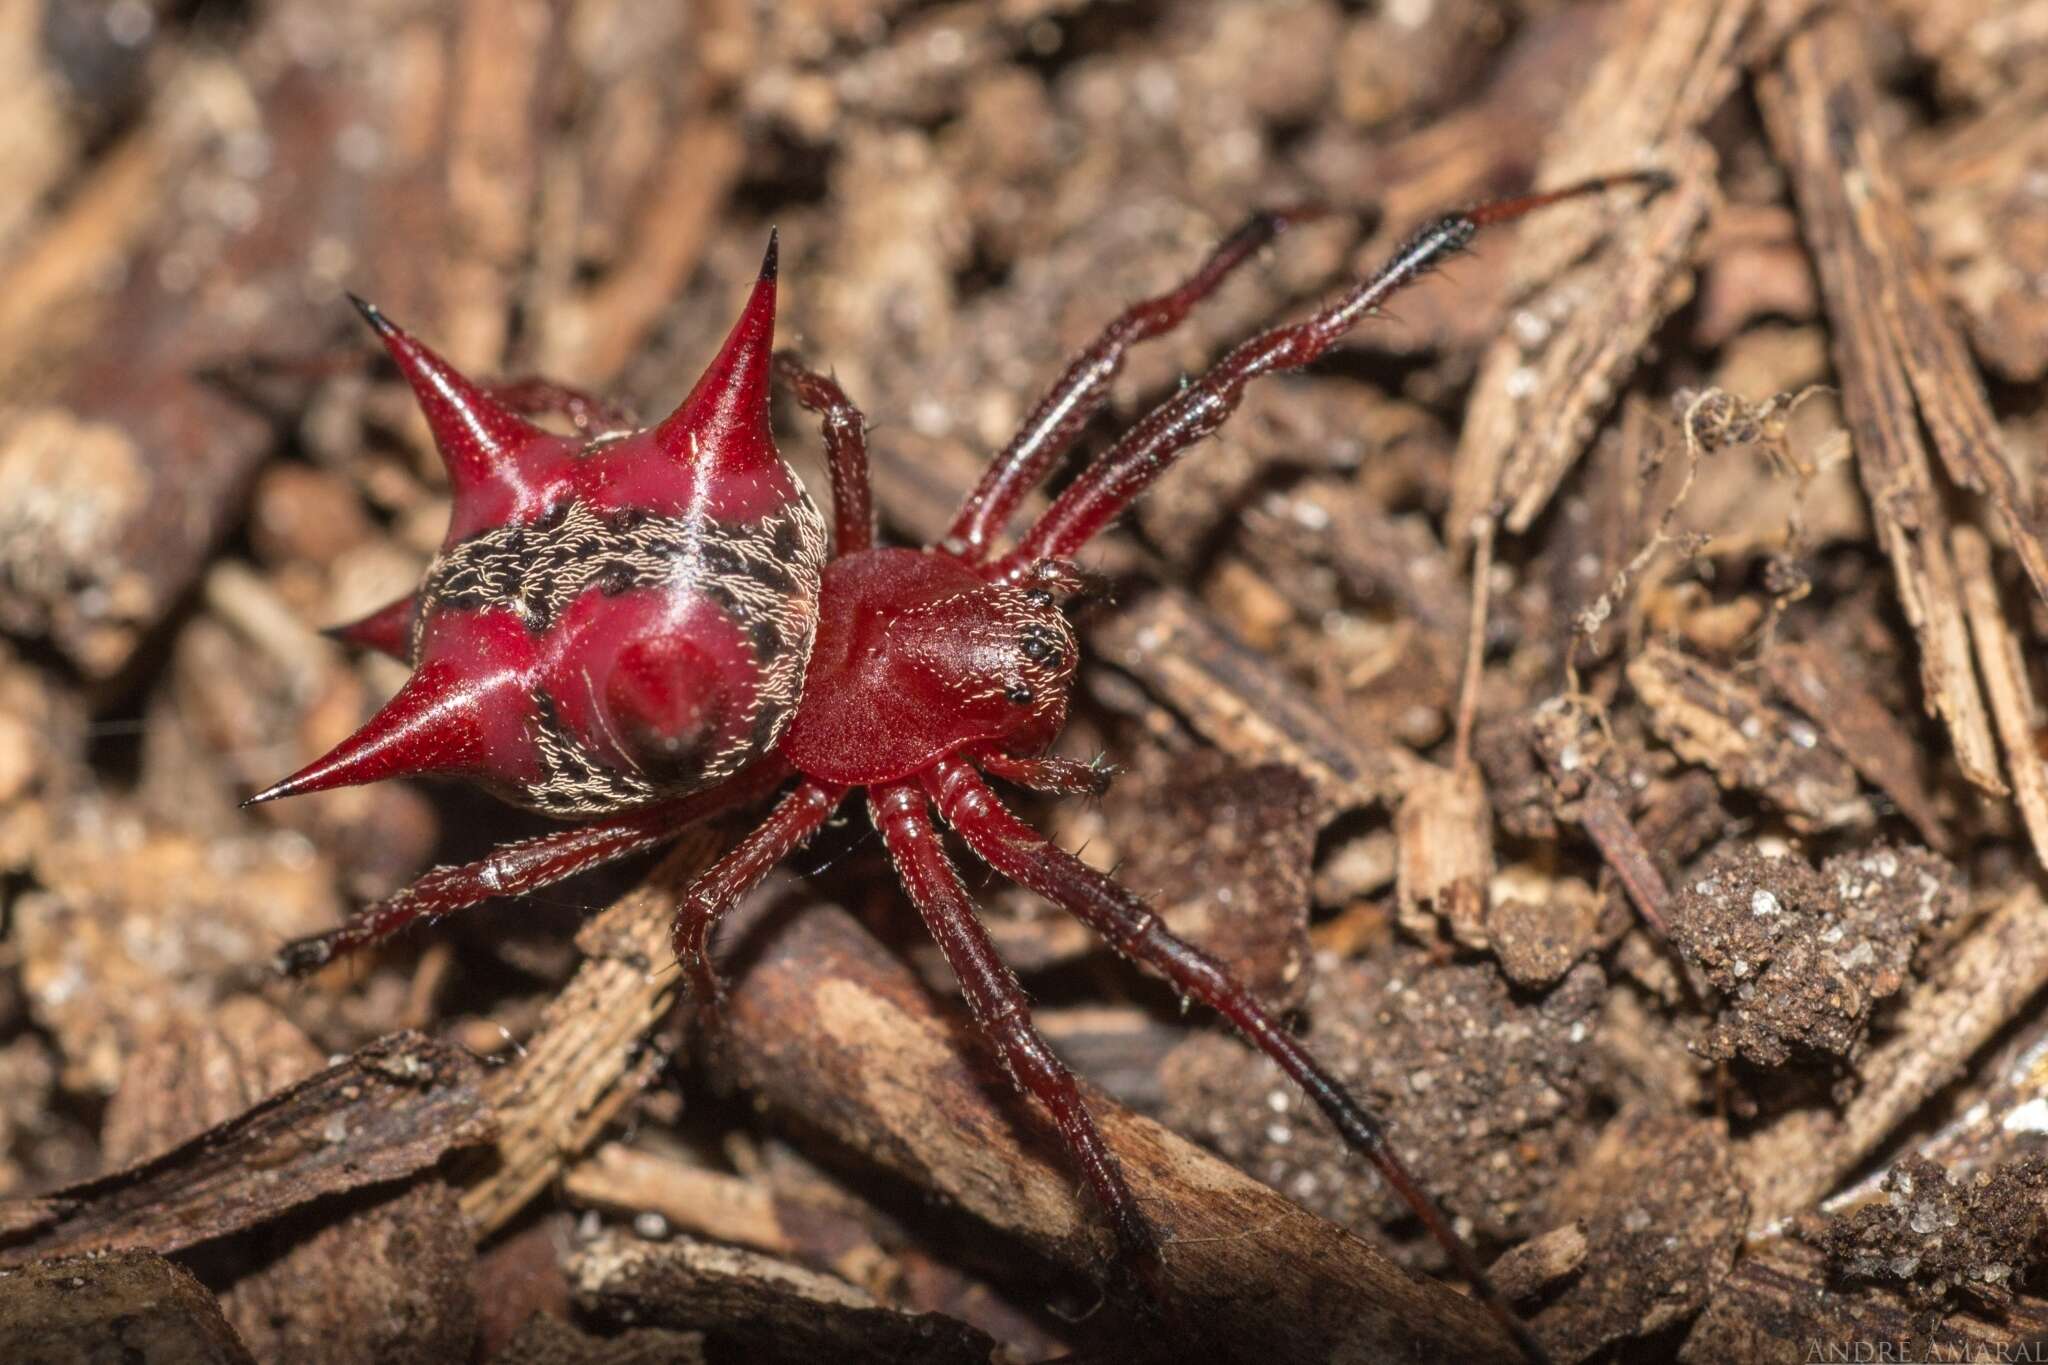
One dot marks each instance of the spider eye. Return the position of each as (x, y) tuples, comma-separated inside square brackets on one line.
[(1019, 694), (1040, 645)]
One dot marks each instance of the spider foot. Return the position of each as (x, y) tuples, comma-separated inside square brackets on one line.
[(707, 987), (304, 956)]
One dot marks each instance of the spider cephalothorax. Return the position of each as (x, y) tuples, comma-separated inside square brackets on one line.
[(642, 627)]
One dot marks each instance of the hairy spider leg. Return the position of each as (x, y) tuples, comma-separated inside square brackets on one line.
[(846, 452), (1019, 852), (530, 865), (997, 1001), (1111, 482), (535, 396), (721, 886), (1079, 393), (1049, 776)]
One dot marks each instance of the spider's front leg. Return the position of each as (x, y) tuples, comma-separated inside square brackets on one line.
[(1050, 776), (1025, 856), (1115, 479), (902, 814), (1079, 393)]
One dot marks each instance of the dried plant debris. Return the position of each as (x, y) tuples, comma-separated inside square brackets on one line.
[(1781, 1303), (1445, 834), (1820, 684), (1663, 1213), (1760, 456), (391, 1111), (1484, 1091), (384, 1275), (126, 1305), (1801, 957), (771, 1309), (1977, 199), (1223, 852), (124, 922), (1937, 1238), (1714, 718), (550, 1341)]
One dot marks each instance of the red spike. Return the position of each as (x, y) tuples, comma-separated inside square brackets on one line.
[(388, 630), (726, 415), (434, 724), (476, 434)]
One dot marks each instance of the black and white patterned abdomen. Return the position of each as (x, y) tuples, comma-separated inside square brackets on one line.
[(762, 576)]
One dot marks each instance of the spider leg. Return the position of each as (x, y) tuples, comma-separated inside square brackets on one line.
[(1080, 392), (846, 450), (1051, 776), (1104, 489), (722, 885), (1000, 1009), (526, 866), (533, 396), (1025, 856)]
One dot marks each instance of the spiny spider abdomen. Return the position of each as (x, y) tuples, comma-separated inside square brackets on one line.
[(612, 620), (640, 627)]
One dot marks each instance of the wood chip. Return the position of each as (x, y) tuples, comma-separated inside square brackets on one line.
[(1794, 1162), (383, 1276), (1239, 701), (393, 1109), (1816, 681), (1781, 1304), (1444, 860), (1974, 193), (1900, 364), (825, 1024), (693, 1198), (588, 1059), (768, 1309), (1586, 309), (1713, 718), (131, 1305), (2004, 669)]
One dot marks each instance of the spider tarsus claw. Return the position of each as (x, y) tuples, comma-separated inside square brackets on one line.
[(305, 955), (1140, 1261), (707, 988)]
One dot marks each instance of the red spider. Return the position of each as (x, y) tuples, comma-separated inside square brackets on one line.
[(642, 627)]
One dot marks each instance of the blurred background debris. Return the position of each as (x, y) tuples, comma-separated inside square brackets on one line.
[(1601, 699)]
